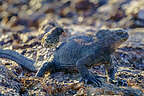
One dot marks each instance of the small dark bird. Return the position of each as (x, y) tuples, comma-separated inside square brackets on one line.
[(52, 38)]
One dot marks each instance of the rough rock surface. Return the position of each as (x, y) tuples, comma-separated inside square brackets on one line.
[(20, 30)]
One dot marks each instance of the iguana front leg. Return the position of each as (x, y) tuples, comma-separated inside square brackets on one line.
[(18, 58), (111, 69), (47, 66), (83, 70)]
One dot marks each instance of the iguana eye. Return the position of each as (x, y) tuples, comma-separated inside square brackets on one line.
[(119, 33)]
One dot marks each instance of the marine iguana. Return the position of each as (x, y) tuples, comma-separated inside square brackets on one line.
[(83, 51)]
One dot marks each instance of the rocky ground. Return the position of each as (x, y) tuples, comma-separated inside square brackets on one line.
[(22, 24)]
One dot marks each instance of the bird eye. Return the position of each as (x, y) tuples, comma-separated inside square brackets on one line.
[(59, 30)]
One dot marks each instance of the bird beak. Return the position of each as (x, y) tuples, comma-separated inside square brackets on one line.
[(64, 34)]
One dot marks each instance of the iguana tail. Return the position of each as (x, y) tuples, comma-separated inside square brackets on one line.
[(18, 58)]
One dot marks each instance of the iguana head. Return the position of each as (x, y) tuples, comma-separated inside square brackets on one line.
[(112, 38)]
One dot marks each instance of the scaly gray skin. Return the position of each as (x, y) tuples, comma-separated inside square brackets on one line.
[(81, 52), (18, 58)]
